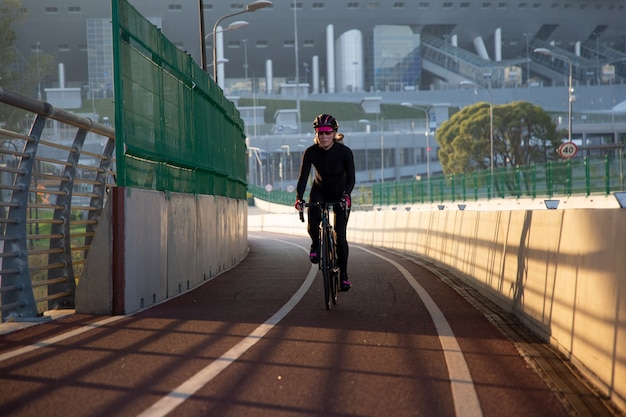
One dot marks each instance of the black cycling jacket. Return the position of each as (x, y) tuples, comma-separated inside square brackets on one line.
[(334, 171)]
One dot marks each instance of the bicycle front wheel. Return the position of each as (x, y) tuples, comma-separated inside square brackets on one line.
[(334, 276), (327, 268)]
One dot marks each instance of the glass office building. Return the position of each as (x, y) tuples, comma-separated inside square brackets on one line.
[(395, 51)]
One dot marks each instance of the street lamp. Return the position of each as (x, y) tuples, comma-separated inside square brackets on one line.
[(220, 61), (466, 83), (382, 148), (570, 91), (427, 131), (255, 153), (233, 26), (252, 7), (284, 148)]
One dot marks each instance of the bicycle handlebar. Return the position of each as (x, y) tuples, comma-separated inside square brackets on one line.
[(321, 204)]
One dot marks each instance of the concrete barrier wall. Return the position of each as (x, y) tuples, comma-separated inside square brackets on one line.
[(561, 272), (171, 243)]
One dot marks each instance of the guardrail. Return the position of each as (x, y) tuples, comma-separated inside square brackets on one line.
[(599, 174), (54, 186)]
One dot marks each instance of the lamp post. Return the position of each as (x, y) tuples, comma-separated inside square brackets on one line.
[(526, 35), (285, 148), (252, 7), (382, 148), (570, 91), (245, 61), (38, 75), (255, 153), (297, 59), (471, 84), (202, 37), (233, 26), (427, 131)]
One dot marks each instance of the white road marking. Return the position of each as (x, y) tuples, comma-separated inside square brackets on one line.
[(56, 339), (51, 341), (166, 404), (181, 393), (466, 403)]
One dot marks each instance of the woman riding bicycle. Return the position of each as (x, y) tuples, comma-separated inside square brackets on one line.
[(334, 180)]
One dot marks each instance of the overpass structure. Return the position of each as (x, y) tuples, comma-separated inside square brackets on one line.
[(558, 271)]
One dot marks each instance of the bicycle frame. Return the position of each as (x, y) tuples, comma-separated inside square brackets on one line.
[(328, 252)]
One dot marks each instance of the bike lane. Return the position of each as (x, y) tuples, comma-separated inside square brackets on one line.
[(377, 353)]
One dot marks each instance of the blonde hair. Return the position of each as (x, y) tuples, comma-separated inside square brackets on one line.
[(338, 137)]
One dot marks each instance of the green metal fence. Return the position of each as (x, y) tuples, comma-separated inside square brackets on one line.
[(580, 176), (175, 129)]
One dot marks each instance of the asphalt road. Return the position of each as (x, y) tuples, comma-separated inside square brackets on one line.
[(258, 341)]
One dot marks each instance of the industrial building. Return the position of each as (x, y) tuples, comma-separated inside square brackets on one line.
[(417, 52), (347, 46)]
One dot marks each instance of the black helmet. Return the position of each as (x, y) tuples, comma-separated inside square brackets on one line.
[(325, 120)]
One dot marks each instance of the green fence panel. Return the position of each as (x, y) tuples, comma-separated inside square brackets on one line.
[(581, 176), (175, 129)]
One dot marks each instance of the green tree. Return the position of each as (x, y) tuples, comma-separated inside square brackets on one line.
[(9, 15), (523, 134), (18, 73)]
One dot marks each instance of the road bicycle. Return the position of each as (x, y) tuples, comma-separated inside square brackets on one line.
[(327, 251)]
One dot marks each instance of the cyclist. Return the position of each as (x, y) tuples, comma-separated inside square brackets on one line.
[(334, 180)]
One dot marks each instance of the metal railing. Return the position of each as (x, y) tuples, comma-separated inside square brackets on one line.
[(599, 174), (53, 187), (580, 176)]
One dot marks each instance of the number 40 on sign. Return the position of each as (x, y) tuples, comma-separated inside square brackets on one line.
[(568, 150)]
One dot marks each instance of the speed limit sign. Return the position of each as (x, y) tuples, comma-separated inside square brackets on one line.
[(568, 150)]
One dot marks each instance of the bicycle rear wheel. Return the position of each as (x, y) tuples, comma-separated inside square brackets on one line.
[(326, 267)]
